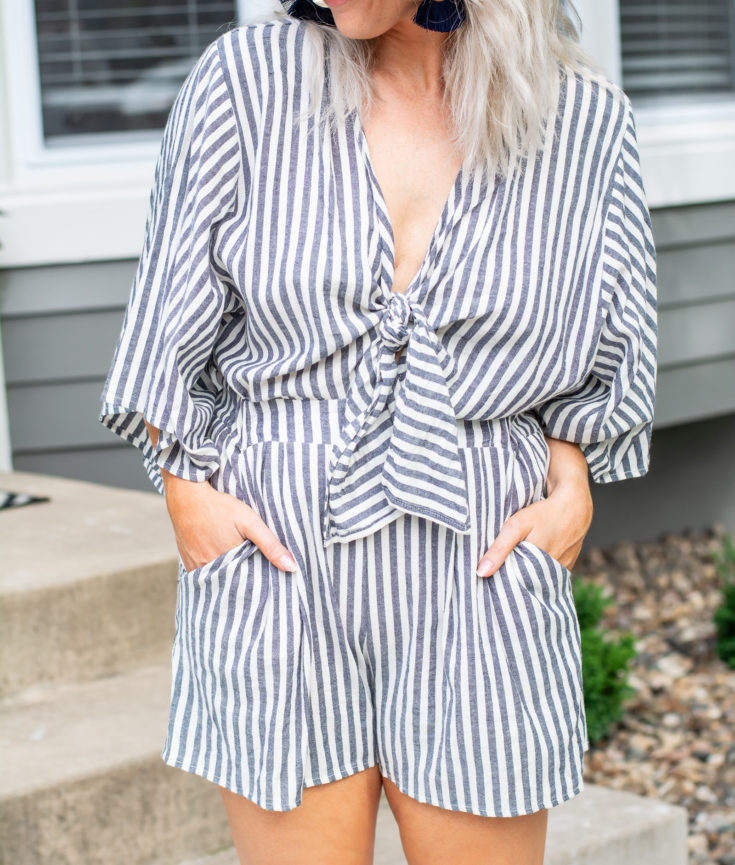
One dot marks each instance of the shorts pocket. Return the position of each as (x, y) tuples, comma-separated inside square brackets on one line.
[(240, 668), (548, 557), (540, 573)]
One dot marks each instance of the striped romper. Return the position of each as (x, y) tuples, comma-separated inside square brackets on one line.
[(261, 336)]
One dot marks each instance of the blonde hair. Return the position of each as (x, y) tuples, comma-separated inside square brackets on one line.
[(502, 70)]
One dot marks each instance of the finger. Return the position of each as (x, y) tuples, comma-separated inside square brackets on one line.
[(511, 532), (256, 529)]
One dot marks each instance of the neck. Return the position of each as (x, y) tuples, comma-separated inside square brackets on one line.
[(408, 59)]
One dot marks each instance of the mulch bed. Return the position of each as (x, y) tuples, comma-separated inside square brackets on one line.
[(676, 741)]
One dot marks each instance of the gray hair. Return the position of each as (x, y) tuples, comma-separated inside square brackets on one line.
[(502, 69)]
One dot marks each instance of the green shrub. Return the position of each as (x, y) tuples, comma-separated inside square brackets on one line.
[(605, 661), (724, 617)]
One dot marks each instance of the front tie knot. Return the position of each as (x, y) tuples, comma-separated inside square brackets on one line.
[(398, 450), (394, 325)]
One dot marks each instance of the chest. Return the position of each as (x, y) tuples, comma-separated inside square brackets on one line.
[(331, 224), (415, 168)]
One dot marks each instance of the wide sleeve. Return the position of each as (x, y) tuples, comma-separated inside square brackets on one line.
[(610, 414), (161, 367)]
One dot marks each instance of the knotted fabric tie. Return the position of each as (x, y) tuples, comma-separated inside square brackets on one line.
[(398, 450), (395, 322)]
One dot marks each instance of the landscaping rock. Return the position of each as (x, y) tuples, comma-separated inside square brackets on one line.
[(675, 741)]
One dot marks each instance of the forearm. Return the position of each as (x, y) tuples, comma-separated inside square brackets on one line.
[(568, 482), (567, 465)]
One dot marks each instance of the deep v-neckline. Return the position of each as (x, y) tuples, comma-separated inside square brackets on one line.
[(380, 201)]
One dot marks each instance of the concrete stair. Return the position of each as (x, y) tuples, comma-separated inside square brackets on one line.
[(85, 782), (87, 582), (87, 602)]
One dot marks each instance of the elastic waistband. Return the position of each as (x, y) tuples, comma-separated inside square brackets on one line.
[(321, 421)]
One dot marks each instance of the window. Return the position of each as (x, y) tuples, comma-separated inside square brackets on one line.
[(675, 60), (111, 67), (87, 88), (678, 50)]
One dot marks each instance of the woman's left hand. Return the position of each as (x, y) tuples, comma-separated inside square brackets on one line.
[(558, 523)]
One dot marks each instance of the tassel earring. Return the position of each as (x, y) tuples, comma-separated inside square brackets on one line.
[(442, 15)]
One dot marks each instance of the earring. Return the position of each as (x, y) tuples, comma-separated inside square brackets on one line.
[(442, 15), (310, 10)]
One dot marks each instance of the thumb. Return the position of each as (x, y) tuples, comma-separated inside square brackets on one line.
[(254, 527), (511, 532)]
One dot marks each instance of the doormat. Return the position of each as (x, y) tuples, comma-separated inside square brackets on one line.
[(15, 500)]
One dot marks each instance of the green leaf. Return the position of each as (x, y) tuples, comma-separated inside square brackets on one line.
[(606, 659)]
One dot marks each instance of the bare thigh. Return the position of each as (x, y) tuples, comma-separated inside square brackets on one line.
[(435, 836), (333, 825)]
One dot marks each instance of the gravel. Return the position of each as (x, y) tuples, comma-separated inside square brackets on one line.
[(676, 741)]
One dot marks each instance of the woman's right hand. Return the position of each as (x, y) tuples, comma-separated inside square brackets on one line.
[(208, 523)]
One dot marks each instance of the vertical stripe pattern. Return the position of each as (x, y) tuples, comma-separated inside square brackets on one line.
[(260, 338)]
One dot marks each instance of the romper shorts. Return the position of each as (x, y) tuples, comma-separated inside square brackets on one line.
[(383, 650)]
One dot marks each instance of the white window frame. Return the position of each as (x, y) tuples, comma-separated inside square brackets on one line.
[(84, 202), (687, 150), (88, 202)]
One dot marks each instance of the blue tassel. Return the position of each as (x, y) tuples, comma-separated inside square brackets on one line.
[(443, 16), (431, 15)]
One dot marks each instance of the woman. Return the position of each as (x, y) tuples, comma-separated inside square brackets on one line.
[(373, 347)]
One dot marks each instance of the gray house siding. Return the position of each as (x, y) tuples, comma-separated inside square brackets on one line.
[(696, 275), (59, 325)]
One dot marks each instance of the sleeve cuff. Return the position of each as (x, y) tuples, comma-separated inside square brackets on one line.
[(618, 475), (191, 457), (172, 454), (626, 456)]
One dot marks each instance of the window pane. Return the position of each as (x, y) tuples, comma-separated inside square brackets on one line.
[(115, 66), (674, 49)]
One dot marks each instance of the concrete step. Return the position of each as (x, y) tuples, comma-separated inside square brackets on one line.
[(87, 582), (83, 782), (597, 827)]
